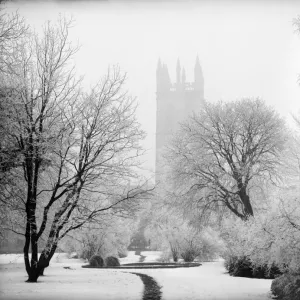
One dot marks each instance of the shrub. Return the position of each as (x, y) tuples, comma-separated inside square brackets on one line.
[(88, 250), (96, 261), (112, 261), (175, 252), (265, 271), (274, 272), (258, 239), (243, 267), (122, 253), (229, 263), (165, 257), (189, 255), (74, 255), (286, 287), (112, 239)]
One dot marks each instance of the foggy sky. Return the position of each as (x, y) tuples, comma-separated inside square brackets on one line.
[(246, 48)]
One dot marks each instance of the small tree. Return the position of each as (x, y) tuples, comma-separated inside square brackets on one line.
[(169, 231), (110, 237), (220, 152)]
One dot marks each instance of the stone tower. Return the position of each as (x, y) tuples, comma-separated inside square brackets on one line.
[(175, 102)]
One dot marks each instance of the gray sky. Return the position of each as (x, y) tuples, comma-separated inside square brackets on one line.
[(246, 48)]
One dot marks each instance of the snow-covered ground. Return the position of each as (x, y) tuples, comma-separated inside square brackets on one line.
[(131, 258), (206, 282), (151, 256), (74, 283)]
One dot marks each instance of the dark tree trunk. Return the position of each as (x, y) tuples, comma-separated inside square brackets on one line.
[(26, 248), (32, 268), (174, 253), (246, 202), (35, 272), (33, 275)]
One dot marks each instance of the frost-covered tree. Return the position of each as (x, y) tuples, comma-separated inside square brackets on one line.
[(273, 236), (220, 152), (77, 150), (12, 29)]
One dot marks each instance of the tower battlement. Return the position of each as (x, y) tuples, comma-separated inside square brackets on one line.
[(163, 81)]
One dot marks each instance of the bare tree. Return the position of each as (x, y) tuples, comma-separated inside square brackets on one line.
[(220, 152), (78, 149), (12, 29)]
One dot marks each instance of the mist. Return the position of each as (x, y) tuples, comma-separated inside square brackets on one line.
[(246, 49)]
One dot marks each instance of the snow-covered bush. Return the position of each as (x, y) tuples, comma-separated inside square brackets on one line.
[(203, 244), (112, 238), (122, 253), (239, 266), (172, 234), (96, 261), (271, 240), (243, 267), (286, 287), (189, 254), (112, 261), (166, 257), (89, 247)]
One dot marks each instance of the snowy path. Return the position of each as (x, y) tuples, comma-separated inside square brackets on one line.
[(208, 282)]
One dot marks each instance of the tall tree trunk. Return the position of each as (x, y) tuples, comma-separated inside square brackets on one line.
[(31, 237), (246, 202), (26, 248), (33, 275), (46, 257)]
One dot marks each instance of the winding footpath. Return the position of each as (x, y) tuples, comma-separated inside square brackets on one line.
[(152, 291), (209, 281)]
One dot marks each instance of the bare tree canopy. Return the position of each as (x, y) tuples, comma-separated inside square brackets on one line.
[(220, 151), (12, 29), (77, 151)]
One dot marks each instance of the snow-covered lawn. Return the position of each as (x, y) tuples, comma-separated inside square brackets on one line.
[(151, 256), (76, 283), (131, 258), (206, 282)]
